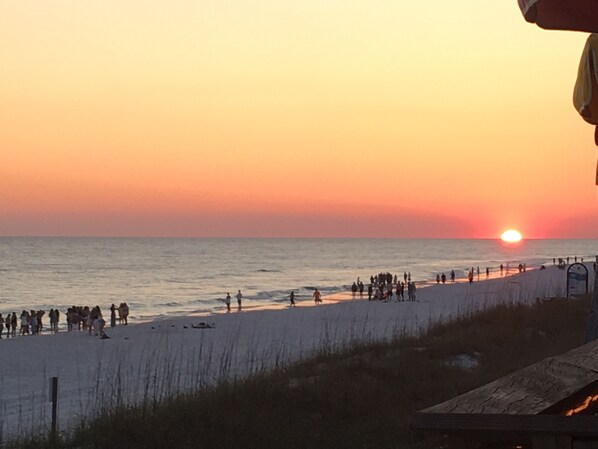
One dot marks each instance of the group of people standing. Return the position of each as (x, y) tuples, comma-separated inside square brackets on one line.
[(77, 318), (384, 286), (29, 322), (442, 277), (239, 297), (92, 320)]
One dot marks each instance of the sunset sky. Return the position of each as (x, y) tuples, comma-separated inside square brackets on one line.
[(307, 118)]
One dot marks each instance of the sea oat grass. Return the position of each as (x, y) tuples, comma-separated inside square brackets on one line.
[(357, 397)]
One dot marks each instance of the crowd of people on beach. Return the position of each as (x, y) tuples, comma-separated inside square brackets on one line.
[(385, 286), (382, 287), (81, 318), (29, 322)]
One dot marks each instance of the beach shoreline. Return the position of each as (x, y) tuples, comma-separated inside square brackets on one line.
[(173, 355)]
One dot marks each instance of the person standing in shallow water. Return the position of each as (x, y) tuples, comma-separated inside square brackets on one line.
[(227, 301), (292, 299), (239, 299)]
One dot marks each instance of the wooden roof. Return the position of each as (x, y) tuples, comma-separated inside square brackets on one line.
[(540, 388)]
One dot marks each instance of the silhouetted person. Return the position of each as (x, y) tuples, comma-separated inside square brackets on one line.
[(239, 299), (112, 315), (292, 299), (227, 301)]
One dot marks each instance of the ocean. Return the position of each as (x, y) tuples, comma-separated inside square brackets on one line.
[(163, 277)]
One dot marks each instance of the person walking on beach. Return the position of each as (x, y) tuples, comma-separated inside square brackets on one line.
[(443, 278), (353, 289), (470, 277), (452, 275), (370, 292), (317, 297), (501, 268), (239, 299), (292, 299), (487, 272), (227, 301), (438, 279)]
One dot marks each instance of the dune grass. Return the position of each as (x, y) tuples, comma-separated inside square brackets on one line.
[(361, 397)]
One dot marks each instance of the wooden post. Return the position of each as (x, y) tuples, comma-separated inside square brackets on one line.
[(54, 406), (592, 324)]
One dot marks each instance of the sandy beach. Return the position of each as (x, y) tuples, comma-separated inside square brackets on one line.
[(149, 361)]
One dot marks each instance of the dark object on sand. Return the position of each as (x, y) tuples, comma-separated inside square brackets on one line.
[(203, 325)]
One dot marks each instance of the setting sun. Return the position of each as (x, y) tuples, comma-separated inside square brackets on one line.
[(511, 236)]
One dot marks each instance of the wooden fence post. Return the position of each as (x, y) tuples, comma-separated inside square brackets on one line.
[(54, 407)]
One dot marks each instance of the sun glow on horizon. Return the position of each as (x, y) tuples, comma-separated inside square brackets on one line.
[(511, 236), (255, 119)]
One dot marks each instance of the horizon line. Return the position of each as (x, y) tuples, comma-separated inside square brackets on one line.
[(278, 237)]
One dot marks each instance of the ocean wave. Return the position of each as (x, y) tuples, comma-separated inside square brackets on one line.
[(326, 289), (170, 304)]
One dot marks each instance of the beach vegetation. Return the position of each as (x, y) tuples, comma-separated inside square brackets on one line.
[(358, 396)]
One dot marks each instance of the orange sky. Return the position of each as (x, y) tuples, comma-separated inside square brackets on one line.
[(290, 118)]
